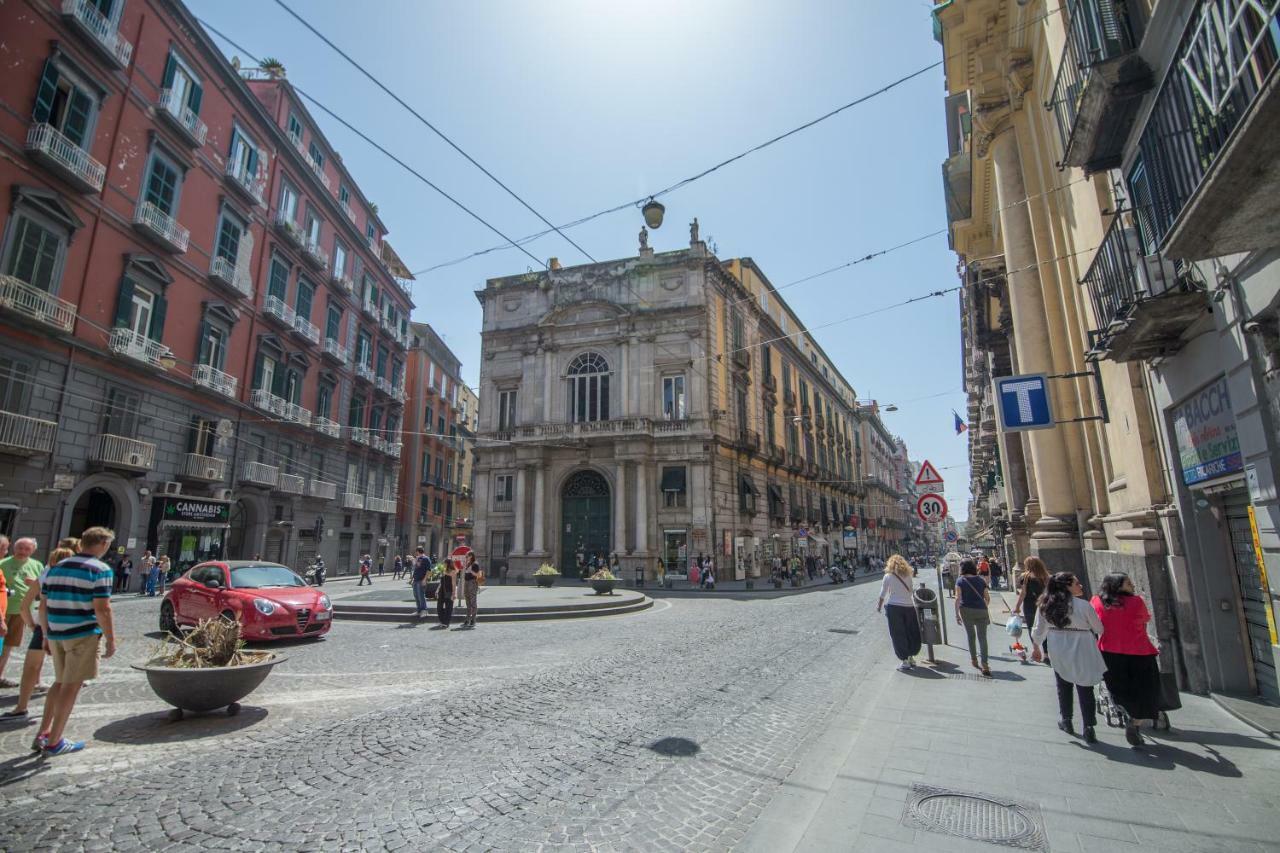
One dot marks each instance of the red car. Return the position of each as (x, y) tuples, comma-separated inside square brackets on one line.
[(269, 600)]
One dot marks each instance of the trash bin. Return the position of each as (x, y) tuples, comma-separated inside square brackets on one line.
[(926, 601), (639, 575)]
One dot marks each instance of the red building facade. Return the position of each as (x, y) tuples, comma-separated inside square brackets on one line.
[(204, 333)]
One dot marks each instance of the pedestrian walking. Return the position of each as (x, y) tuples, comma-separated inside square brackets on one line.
[(145, 565), (1133, 674), (33, 663), (364, 574), (124, 570), (997, 574), (19, 570), (167, 571), (382, 566), (75, 606), (984, 568), (444, 595), (1072, 628), (898, 603), (397, 568), (153, 578), (472, 577), (709, 577), (972, 602), (1031, 585), (419, 578)]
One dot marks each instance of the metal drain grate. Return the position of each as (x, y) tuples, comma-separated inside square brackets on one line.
[(975, 816)]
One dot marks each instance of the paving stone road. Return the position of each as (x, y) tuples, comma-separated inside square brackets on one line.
[(664, 730)]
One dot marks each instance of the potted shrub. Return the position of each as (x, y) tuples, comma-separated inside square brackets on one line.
[(207, 668), (546, 575), (603, 582)]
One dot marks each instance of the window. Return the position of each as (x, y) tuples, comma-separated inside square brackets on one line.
[(35, 253), (293, 386), (230, 230), (503, 491), (142, 304), (499, 544), (440, 426), (203, 436), (740, 394), (303, 299), (589, 388), (355, 411), (673, 399), (288, 210), (121, 416), (344, 195), (370, 233), (746, 494), (364, 348), (674, 490), (213, 346), (244, 157), (426, 466), (437, 506), (324, 400), (267, 374), (430, 418), (333, 323), (278, 279), (317, 157), (506, 409), (736, 330), (375, 419), (163, 181), (764, 299), (15, 385), (380, 369), (776, 508), (766, 361), (295, 129), (182, 82), (770, 430), (63, 101), (397, 372), (786, 375), (312, 227), (339, 259)]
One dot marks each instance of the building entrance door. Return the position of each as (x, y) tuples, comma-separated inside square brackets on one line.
[(585, 510), (1254, 600)]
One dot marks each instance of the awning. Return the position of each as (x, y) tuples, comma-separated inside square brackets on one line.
[(746, 487), (816, 539), (194, 525), (775, 494), (673, 479)]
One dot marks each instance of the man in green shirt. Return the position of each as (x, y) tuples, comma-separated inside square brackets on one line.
[(20, 571)]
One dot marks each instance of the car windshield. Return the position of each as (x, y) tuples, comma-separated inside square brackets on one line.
[(261, 577)]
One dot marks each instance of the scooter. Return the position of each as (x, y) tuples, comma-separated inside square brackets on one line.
[(315, 574), (835, 574)]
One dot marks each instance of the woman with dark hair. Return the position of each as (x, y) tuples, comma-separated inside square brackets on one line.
[(1073, 627), (1031, 585), (972, 601), (1133, 676)]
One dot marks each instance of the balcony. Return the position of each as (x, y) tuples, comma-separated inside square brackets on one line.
[(336, 351), (224, 272), (290, 484), (210, 377), (346, 208), (342, 280), (259, 474), (32, 303), (295, 414), (99, 31), (382, 384), (359, 435), (387, 506), (1142, 304), (742, 358), (47, 146), (315, 167), (251, 186), (130, 344), (364, 371), (322, 490), (749, 440), (306, 329), (276, 309), (265, 401), (202, 469), (394, 449), (789, 398), (171, 107), (957, 186), (378, 443), (121, 453), (21, 435), (1100, 83), (352, 500), (369, 307), (398, 393), (314, 255), (324, 426), (1209, 153), (165, 229), (290, 230)]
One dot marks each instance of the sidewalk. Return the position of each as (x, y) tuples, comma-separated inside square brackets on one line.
[(1213, 783)]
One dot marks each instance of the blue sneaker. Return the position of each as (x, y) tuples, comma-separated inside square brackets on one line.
[(64, 746)]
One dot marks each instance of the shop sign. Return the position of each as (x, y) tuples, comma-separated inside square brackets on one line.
[(177, 510), (1205, 430), (850, 540)]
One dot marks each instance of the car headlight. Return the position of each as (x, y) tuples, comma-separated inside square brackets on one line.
[(264, 607), (325, 604)]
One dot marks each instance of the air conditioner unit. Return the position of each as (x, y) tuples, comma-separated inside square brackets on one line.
[(171, 487), (222, 494)]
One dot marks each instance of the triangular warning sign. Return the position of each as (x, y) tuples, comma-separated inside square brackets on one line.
[(928, 475)]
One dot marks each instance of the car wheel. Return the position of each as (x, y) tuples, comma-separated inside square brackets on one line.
[(168, 619), (228, 615)]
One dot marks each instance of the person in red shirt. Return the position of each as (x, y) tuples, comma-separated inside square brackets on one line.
[(1133, 676)]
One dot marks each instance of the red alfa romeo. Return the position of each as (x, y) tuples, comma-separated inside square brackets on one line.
[(269, 600)]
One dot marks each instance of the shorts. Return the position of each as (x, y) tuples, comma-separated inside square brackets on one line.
[(75, 660), (37, 640), (15, 628)]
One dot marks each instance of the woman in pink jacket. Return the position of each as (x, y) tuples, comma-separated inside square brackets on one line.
[(1133, 676)]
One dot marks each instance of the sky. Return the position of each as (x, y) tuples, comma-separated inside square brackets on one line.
[(581, 106)]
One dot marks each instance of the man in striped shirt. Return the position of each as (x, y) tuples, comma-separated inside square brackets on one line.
[(75, 610)]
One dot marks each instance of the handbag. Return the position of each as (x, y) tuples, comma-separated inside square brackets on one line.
[(1170, 698)]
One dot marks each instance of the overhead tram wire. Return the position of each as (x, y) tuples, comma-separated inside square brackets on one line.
[(541, 263), (429, 125)]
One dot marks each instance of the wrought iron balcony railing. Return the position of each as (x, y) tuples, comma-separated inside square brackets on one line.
[(276, 308), (20, 434), (48, 145), (306, 328), (336, 351), (118, 451), (206, 469), (224, 271), (172, 106), (32, 303), (130, 344), (325, 426), (252, 186), (259, 474), (102, 32), (290, 484), (352, 500), (322, 489), (210, 377), (154, 222)]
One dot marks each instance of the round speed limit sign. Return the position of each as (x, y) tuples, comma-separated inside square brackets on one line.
[(931, 508)]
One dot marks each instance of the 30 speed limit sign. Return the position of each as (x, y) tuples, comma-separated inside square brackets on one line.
[(931, 508)]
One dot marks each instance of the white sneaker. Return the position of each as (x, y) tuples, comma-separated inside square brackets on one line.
[(904, 667)]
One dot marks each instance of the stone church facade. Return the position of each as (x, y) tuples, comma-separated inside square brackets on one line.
[(650, 408)]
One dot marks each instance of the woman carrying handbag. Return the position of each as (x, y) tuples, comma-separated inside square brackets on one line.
[(898, 603), (1072, 628), (972, 600)]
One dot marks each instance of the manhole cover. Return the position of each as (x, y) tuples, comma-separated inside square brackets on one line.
[(975, 816)]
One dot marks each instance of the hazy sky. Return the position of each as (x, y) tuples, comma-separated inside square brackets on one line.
[(581, 106)]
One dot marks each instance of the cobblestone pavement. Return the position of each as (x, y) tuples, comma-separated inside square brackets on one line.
[(664, 730)]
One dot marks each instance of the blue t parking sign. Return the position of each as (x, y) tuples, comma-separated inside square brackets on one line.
[(1024, 402)]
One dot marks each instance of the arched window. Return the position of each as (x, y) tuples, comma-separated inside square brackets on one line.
[(589, 388)]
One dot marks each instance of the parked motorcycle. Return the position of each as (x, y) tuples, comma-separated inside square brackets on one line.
[(315, 573)]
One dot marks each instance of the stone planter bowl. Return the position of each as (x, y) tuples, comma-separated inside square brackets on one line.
[(546, 580), (209, 688), (603, 587)]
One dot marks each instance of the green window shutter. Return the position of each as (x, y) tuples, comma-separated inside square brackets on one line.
[(194, 99), (257, 371), (45, 93), (76, 127), (193, 432), (229, 240), (252, 167), (124, 302), (156, 333), (170, 66), (277, 381), (278, 284), (203, 357), (222, 352)]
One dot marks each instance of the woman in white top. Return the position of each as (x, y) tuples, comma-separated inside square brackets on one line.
[(1072, 628), (898, 603)]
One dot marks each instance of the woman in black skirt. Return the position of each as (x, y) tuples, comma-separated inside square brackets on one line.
[(1133, 676), (444, 594), (898, 603)]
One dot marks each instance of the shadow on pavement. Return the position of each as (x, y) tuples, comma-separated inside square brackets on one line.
[(22, 768), (156, 727), (1163, 756), (923, 672), (1006, 675), (1207, 739), (675, 747)]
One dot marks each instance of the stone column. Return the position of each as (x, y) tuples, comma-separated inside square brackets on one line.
[(1030, 328), (642, 508), (548, 377), (517, 534), (619, 510), (539, 509), (624, 391)]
